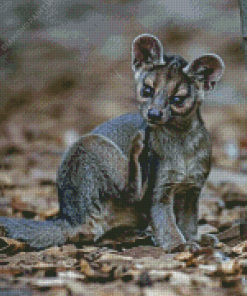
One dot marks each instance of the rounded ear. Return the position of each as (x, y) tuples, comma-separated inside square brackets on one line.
[(146, 49), (207, 68)]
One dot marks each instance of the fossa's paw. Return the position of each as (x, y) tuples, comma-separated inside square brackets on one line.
[(208, 239), (186, 247), (191, 247), (137, 144), (176, 244)]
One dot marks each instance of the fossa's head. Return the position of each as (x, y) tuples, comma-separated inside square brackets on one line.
[(169, 88)]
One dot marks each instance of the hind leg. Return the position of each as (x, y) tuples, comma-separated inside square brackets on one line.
[(76, 203), (85, 211)]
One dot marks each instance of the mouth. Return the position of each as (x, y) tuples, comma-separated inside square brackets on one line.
[(153, 122)]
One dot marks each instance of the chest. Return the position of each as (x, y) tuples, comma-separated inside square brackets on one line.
[(170, 160)]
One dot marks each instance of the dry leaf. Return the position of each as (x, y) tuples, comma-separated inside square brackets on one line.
[(115, 257), (240, 248), (11, 246), (70, 275), (204, 229), (230, 233), (49, 213), (184, 256), (159, 275), (86, 268), (230, 267), (230, 281), (208, 269)]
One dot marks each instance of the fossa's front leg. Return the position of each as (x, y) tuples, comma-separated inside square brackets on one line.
[(133, 188), (186, 211), (165, 230)]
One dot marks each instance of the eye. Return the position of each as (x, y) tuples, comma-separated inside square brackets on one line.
[(147, 91), (178, 100)]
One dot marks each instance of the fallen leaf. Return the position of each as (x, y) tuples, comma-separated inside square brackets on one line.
[(240, 248), (184, 256), (11, 246), (230, 267)]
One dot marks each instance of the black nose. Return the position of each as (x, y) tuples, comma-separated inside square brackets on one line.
[(154, 114)]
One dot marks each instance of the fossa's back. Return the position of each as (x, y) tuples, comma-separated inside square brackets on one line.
[(121, 129)]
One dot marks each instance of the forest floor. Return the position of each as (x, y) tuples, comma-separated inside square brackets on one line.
[(30, 154)]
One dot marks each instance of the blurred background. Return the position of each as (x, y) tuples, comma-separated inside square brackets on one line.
[(65, 68)]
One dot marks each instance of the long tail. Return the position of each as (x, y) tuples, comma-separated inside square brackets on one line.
[(38, 234)]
